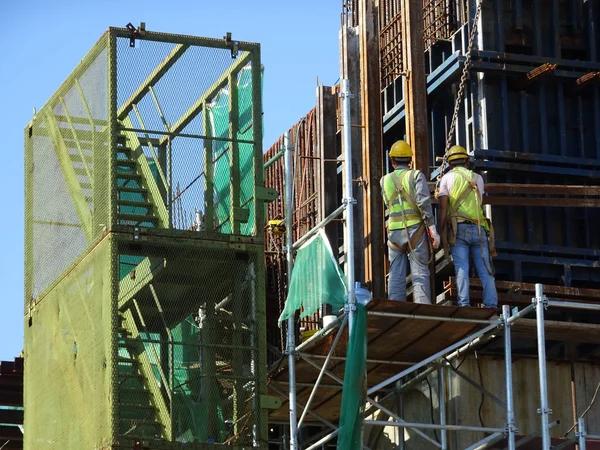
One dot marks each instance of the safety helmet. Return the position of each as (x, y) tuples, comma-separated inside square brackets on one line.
[(456, 152), (400, 149)]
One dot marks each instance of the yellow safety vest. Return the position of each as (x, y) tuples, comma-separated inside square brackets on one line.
[(403, 210), (465, 198)]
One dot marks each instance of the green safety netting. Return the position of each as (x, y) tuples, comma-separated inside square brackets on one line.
[(354, 389), (316, 279), (220, 128)]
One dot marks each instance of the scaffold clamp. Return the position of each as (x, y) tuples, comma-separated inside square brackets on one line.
[(543, 300)]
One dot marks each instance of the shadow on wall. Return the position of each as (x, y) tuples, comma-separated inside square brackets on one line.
[(388, 438)]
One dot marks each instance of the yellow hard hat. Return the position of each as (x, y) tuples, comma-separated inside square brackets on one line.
[(400, 149), (456, 152)]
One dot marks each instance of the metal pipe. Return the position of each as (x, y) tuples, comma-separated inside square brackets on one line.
[(434, 426), (320, 377), (480, 388), (437, 318), (273, 159), (532, 436), (581, 435), (291, 344), (401, 420), (318, 226), (369, 360), (510, 408), (324, 439), (348, 200), (574, 305), (486, 442), (544, 410), (521, 313), (568, 443), (430, 359), (442, 403), (320, 334)]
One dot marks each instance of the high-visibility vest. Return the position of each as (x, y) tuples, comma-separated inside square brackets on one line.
[(403, 210), (465, 198)]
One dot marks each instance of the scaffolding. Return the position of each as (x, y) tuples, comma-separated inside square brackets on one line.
[(446, 333)]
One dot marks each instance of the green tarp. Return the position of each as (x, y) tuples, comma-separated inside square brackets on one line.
[(316, 279)]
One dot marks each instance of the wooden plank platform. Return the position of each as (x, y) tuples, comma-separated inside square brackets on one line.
[(520, 294), (395, 344)]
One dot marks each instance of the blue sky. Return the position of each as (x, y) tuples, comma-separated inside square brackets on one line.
[(43, 41)]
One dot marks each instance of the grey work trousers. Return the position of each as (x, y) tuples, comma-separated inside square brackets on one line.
[(399, 262)]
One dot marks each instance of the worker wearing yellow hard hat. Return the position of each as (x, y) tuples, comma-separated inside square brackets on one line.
[(410, 226), (465, 228)]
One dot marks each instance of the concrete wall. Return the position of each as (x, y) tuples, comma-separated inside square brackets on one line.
[(464, 400)]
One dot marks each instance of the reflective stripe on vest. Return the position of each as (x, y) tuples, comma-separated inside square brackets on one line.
[(401, 213), (465, 198)]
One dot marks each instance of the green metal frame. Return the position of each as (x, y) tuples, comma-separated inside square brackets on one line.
[(99, 184)]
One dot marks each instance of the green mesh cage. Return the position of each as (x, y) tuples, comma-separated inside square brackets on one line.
[(144, 284)]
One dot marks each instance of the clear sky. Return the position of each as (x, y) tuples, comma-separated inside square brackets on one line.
[(42, 42)]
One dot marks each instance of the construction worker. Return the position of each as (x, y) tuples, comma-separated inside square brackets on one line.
[(410, 226), (465, 228)]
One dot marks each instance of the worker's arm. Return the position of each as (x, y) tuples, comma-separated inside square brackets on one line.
[(443, 212), (423, 199)]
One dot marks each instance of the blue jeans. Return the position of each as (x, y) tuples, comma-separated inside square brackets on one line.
[(399, 263), (472, 238)]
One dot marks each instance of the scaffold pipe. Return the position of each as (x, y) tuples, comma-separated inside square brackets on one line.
[(291, 344), (348, 201), (510, 409), (544, 411)]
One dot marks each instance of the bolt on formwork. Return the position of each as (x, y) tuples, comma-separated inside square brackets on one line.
[(144, 279)]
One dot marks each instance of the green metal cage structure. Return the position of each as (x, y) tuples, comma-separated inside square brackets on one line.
[(144, 259)]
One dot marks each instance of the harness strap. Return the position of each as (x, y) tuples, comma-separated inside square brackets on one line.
[(413, 242)]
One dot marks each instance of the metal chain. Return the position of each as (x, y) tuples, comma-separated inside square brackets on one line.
[(461, 87)]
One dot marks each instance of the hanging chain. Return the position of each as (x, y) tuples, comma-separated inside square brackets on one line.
[(461, 87)]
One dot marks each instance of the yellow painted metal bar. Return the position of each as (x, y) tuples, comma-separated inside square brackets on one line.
[(161, 373), (151, 147), (66, 165), (145, 272), (234, 156), (209, 187), (145, 366), (195, 109), (158, 108), (151, 80), (76, 139), (153, 189)]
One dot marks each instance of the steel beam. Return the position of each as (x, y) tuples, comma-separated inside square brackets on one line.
[(372, 156), (415, 85)]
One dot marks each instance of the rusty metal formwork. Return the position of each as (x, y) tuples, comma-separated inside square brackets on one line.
[(306, 214), (390, 41), (441, 18)]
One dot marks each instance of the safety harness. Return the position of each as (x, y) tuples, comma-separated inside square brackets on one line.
[(406, 197), (455, 216)]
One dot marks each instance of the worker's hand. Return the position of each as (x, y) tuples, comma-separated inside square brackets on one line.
[(435, 237)]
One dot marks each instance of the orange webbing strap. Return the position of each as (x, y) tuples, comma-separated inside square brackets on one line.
[(413, 242)]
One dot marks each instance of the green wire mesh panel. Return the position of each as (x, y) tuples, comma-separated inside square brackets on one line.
[(189, 360), (66, 174), (188, 110), (316, 279), (68, 355), (145, 318)]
